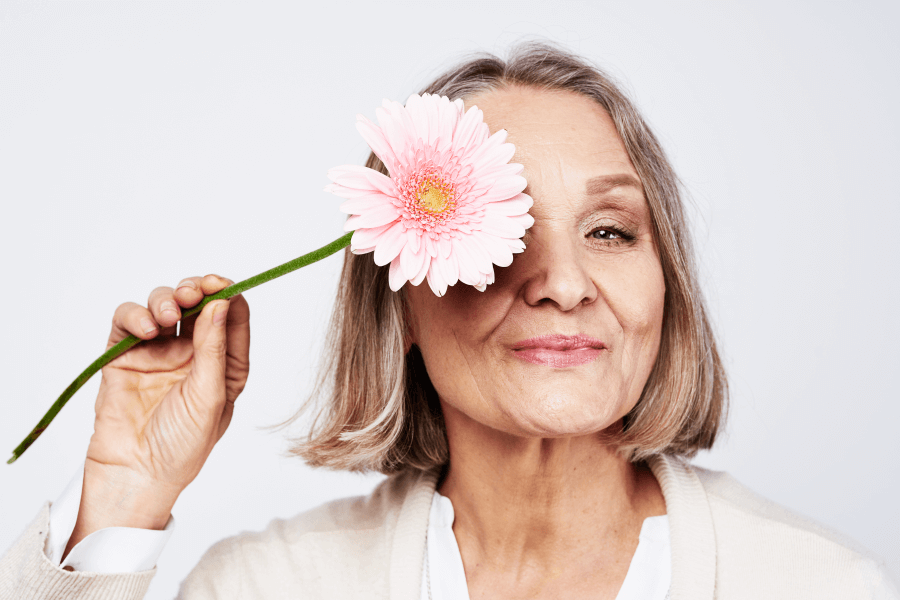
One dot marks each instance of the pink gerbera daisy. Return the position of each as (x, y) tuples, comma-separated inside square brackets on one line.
[(453, 205)]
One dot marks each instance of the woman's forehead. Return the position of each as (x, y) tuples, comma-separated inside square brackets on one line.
[(556, 131)]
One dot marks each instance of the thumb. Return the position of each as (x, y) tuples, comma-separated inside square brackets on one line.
[(208, 371)]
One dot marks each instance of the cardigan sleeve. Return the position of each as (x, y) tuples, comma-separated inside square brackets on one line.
[(26, 572)]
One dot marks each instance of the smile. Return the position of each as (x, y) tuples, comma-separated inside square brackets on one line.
[(559, 351)]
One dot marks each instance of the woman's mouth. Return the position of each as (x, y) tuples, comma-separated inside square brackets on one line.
[(559, 351)]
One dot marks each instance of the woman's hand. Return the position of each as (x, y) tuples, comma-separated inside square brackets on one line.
[(162, 405)]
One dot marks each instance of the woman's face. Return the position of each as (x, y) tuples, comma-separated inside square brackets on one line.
[(590, 277)]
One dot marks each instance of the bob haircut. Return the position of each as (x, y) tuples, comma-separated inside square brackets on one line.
[(375, 406)]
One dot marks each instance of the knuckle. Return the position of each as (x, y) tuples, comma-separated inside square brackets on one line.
[(124, 310), (191, 283)]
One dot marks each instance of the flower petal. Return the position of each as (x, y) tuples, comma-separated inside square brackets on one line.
[(412, 262), (396, 279), (397, 137), (414, 239), (426, 265), (374, 137), (363, 204), (389, 245), (345, 192), (353, 176), (517, 205), (468, 268), (471, 127), (418, 112), (504, 227), (504, 189), (379, 216), (498, 251), (367, 237), (484, 155), (436, 281)]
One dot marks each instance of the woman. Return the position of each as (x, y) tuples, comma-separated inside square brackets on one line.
[(536, 432)]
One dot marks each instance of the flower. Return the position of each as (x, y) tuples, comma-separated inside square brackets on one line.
[(453, 205)]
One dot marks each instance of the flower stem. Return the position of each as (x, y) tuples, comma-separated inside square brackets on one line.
[(131, 341)]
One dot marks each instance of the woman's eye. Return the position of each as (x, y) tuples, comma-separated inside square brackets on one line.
[(605, 234)]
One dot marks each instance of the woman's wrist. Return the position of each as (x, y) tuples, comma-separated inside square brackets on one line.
[(111, 498)]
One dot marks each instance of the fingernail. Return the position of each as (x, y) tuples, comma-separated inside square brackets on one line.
[(187, 283), (168, 307), (148, 325), (221, 313)]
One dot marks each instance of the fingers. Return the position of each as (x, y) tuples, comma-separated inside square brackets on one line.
[(132, 319), (192, 290), (163, 309)]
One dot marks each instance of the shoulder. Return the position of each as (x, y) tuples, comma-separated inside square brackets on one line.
[(344, 542), (755, 535)]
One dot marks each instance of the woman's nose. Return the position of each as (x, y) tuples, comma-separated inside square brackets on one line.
[(556, 273)]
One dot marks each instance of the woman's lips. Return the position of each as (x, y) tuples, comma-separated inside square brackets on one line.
[(559, 350)]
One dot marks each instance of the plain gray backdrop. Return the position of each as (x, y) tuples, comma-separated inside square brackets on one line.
[(144, 142)]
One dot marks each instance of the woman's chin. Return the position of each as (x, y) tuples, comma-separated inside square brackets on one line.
[(561, 418)]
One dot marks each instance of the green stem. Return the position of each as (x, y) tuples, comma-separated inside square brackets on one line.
[(131, 341)]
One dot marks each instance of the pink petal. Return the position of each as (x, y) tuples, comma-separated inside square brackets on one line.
[(363, 204), (483, 156), (517, 205), (353, 176), (497, 250), (432, 113), (382, 215), (389, 245), (351, 223), (436, 281), (449, 115), (524, 220), (410, 262), (382, 183), (368, 237), (468, 268), (345, 192), (501, 155), (426, 265), (505, 188), (487, 177), (414, 239), (418, 113), (504, 227), (374, 137), (396, 279), (467, 130), (397, 137), (450, 268), (430, 246)]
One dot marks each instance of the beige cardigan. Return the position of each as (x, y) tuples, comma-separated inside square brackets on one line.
[(727, 543)]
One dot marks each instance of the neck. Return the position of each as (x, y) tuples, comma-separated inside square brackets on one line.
[(542, 501)]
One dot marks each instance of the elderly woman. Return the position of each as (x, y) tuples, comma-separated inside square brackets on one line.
[(535, 433)]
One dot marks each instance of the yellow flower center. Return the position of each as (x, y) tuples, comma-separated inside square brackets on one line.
[(434, 194), (433, 200)]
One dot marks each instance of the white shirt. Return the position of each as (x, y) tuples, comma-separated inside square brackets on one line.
[(127, 549), (648, 578)]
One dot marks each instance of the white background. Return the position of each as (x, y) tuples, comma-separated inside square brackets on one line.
[(144, 142)]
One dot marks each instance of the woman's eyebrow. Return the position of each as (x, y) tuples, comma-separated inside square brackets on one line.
[(604, 183)]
